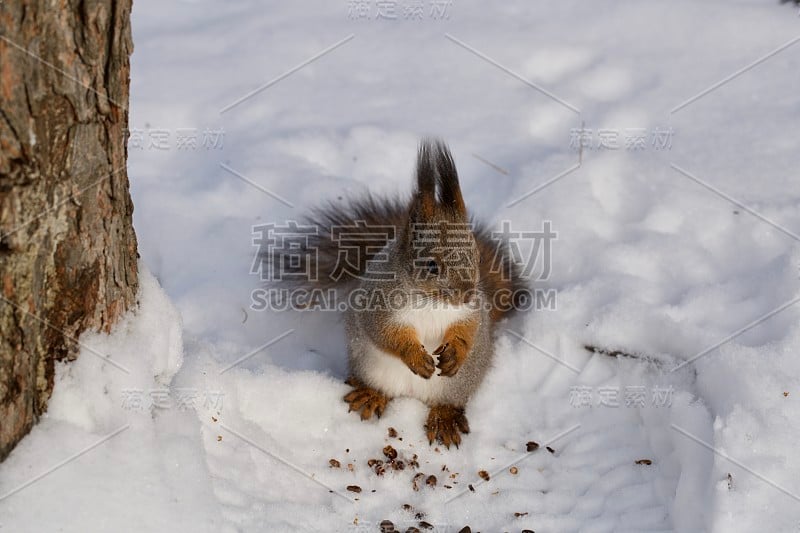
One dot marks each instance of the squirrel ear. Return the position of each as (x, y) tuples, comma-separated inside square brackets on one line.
[(436, 169), (449, 190), (424, 204)]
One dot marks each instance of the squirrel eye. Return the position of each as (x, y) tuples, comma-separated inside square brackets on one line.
[(433, 267)]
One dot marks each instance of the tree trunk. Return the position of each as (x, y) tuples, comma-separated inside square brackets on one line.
[(67, 246)]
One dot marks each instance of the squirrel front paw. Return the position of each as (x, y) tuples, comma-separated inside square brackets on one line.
[(420, 363), (451, 357)]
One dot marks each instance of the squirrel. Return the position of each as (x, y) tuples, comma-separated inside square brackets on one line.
[(436, 283)]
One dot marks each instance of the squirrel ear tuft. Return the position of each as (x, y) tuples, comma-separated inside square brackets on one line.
[(449, 189), (437, 170), (424, 204)]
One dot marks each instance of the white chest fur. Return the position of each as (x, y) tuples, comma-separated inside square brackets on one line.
[(391, 375), (432, 320)]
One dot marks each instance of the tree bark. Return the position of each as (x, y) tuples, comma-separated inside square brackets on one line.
[(67, 245)]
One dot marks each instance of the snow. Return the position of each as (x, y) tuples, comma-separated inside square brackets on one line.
[(134, 463), (649, 260)]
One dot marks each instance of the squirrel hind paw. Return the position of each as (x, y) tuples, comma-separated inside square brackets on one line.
[(445, 425), (367, 402)]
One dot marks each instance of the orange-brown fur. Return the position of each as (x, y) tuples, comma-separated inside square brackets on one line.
[(456, 345)]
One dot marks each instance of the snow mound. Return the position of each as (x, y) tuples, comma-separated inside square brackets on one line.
[(113, 452)]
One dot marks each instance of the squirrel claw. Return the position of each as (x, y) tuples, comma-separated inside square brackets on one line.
[(445, 424), (366, 401), (449, 362), (421, 365)]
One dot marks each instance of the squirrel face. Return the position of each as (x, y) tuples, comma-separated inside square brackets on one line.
[(439, 246), (444, 262)]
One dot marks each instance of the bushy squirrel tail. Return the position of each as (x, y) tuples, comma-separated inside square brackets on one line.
[(333, 245), (500, 276)]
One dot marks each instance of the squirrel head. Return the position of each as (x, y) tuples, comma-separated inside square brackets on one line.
[(439, 245)]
